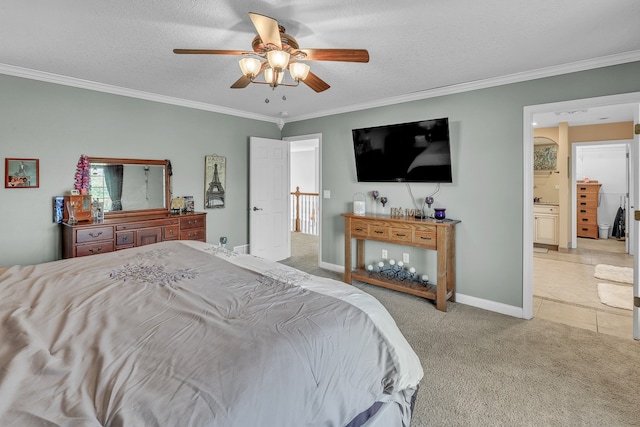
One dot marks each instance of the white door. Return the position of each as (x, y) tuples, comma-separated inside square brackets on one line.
[(634, 229), (269, 198)]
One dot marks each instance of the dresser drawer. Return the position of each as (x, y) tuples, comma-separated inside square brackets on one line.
[(587, 205), (401, 234), (587, 230), (379, 232), (587, 218), (94, 248), (125, 238), (192, 222), (425, 238), (94, 234), (359, 229), (171, 232), (587, 197), (193, 234), (584, 188)]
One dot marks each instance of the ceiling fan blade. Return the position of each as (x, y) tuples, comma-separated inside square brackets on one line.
[(316, 83), (345, 55), (242, 82), (267, 29), (212, 52)]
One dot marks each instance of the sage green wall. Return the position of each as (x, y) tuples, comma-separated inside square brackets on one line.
[(486, 194), (57, 124)]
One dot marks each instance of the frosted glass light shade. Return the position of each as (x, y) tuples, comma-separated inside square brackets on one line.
[(298, 70), (250, 67), (278, 59), (270, 76)]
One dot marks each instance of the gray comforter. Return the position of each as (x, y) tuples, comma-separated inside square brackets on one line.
[(187, 334)]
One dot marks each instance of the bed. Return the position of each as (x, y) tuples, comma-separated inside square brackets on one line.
[(183, 333)]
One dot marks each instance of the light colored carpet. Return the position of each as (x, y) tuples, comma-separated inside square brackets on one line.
[(620, 296), (486, 369), (614, 273)]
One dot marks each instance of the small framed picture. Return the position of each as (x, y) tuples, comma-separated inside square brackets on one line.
[(21, 173)]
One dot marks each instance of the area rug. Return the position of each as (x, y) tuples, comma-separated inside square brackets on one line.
[(614, 274), (619, 296)]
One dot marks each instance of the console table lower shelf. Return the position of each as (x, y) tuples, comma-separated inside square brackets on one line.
[(421, 233), (428, 291)]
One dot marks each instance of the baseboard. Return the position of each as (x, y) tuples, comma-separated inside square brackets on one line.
[(242, 249), (489, 305), (484, 304), (332, 267)]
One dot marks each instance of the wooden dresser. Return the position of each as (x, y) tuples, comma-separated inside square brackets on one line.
[(421, 233), (587, 209), (88, 238)]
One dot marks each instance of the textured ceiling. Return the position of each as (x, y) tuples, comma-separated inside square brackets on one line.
[(416, 46)]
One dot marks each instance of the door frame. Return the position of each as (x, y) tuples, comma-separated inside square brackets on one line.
[(318, 137), (574, 182), (527, 183)]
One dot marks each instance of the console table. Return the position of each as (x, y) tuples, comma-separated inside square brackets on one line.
[(422, 233)]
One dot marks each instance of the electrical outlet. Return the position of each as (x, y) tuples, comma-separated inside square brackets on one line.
[(384, 254), (405, 258)]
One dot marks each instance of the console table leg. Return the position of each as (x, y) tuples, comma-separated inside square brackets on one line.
[(347, 252)]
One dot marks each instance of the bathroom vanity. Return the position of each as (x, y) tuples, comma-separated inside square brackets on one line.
[(545, 224)]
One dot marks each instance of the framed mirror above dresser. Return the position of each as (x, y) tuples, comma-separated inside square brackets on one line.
[(129, 187), (135, 195)]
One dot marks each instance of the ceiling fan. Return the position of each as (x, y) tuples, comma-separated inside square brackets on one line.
[(277, 52)]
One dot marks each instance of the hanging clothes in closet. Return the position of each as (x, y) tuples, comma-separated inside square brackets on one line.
[(618, 223)]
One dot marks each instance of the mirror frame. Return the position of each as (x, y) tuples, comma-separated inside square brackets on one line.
[(139, 212)]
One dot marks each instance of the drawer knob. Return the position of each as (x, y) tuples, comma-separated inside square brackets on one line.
[(170, 231), (98, 249), (401, 235), (125, 238), (378, 232), (95, 235), (425, 238)]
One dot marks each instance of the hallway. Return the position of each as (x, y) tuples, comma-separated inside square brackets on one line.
[(565, 289)]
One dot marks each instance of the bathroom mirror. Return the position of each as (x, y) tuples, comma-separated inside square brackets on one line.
[(545, 154), (128, 187)]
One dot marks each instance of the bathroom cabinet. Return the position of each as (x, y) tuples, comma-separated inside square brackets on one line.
[(545, 224)]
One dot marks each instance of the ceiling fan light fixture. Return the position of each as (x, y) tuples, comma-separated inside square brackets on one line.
[(273, 77), (278, 59), (298, 70), (250, 67)]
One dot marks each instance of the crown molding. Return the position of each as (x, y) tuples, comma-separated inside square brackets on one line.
[(573, 67), (116, 90), (600, 62)]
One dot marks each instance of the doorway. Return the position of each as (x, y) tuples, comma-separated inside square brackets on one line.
[(306, 205), (580, 253)]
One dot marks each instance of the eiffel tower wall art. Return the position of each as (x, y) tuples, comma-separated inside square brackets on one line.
[(215, 168)]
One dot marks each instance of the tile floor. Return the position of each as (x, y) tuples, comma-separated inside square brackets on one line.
[(565, 290)]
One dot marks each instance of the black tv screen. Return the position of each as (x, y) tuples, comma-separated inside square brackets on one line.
[(407, 152)]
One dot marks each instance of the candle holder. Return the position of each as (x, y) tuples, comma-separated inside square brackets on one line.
[(439, 214), (391, 270)]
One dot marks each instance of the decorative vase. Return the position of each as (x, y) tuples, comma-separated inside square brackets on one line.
[(439, 215)]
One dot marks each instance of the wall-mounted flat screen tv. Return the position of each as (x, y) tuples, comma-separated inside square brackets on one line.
[(406, 152)]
